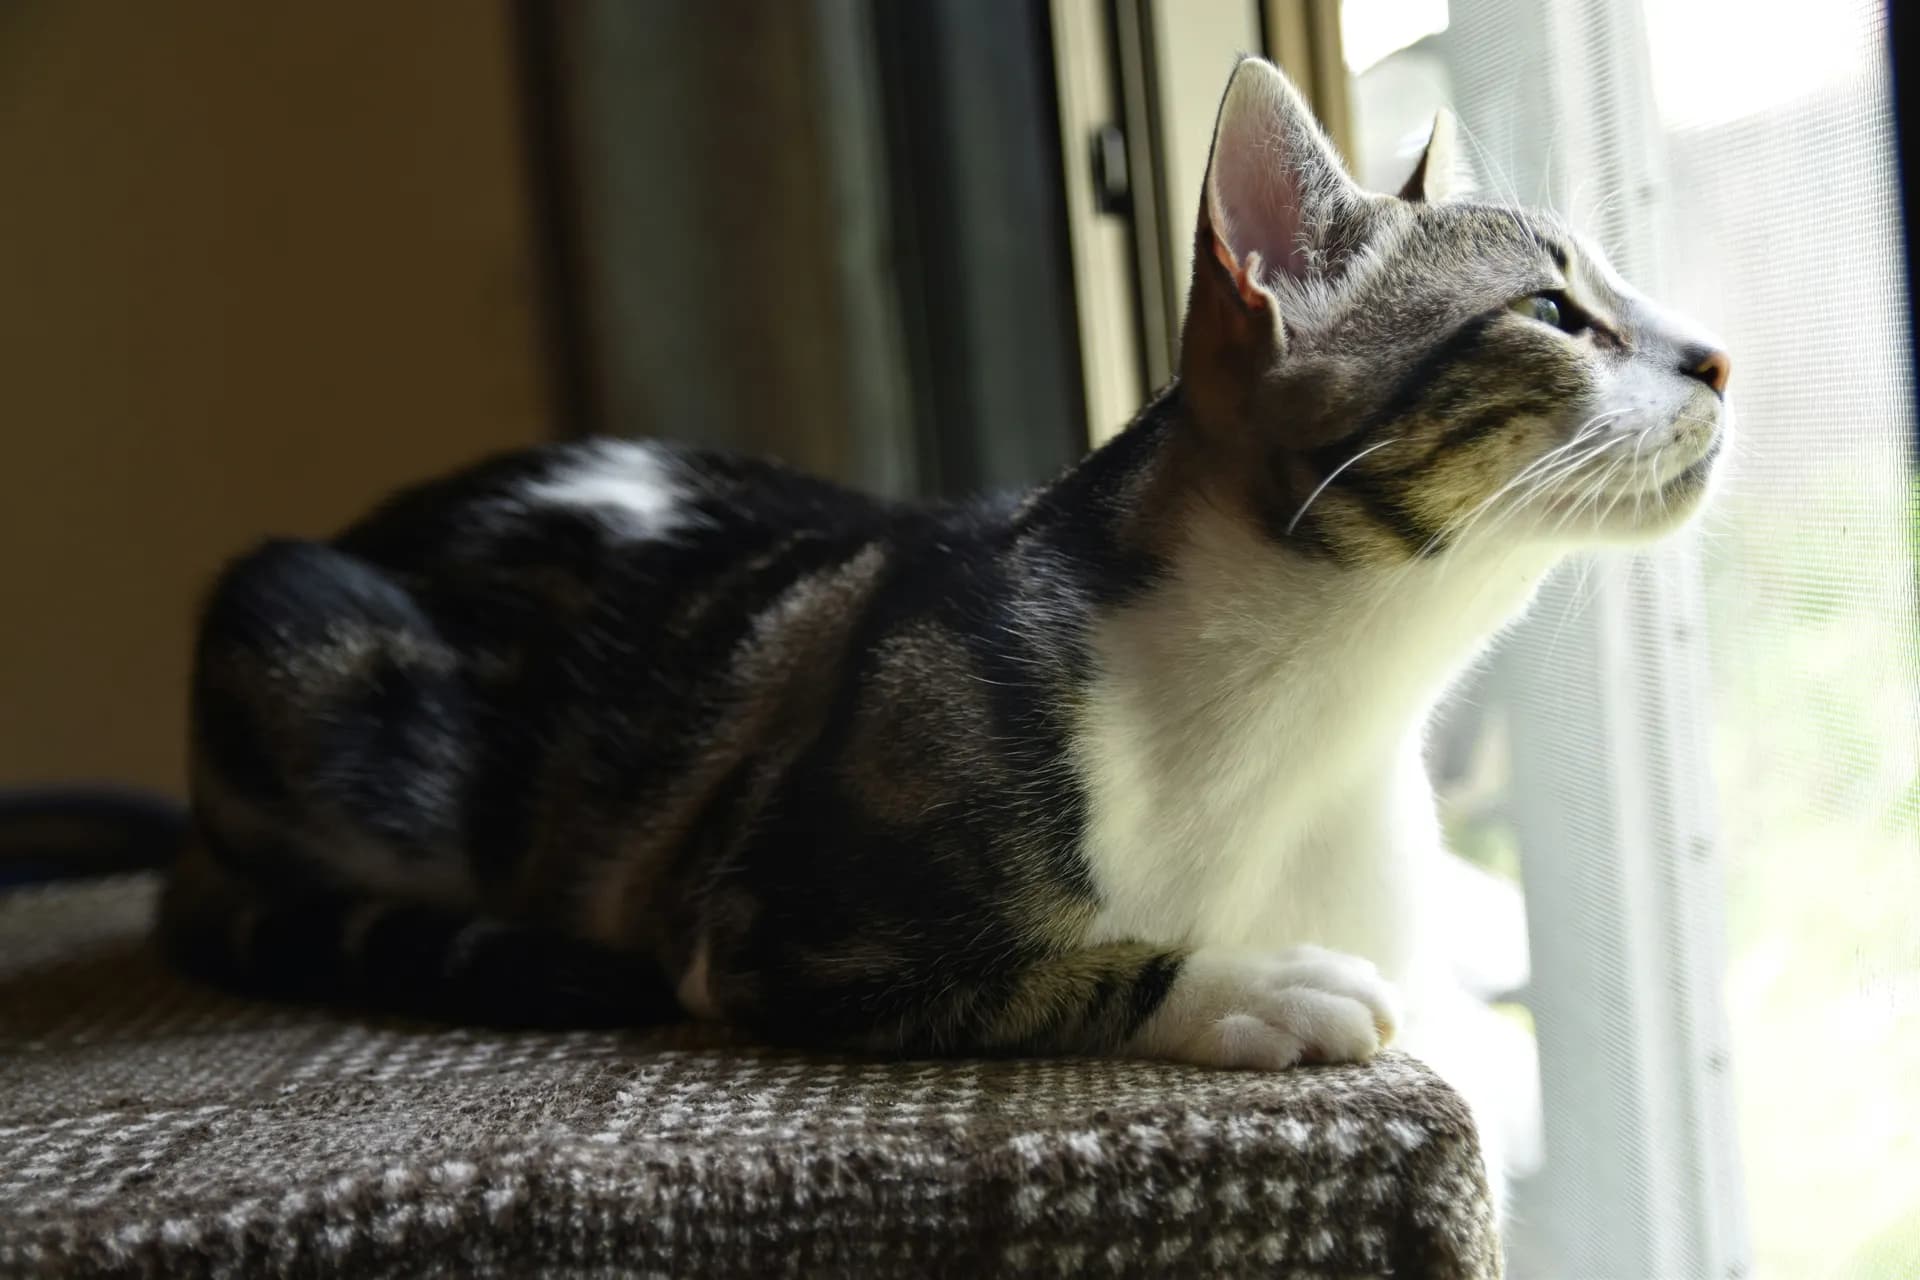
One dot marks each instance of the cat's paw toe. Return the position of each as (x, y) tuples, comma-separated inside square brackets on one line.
[(1345, 974), (1292, 1026), (1269, 1012)]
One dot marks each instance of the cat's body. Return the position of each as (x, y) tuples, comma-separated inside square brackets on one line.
[(621, 731), (679, 705)]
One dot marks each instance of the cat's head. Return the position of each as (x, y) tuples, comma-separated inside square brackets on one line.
[(1392, 376)]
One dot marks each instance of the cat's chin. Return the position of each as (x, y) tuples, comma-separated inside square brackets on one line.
[(1639, 519)]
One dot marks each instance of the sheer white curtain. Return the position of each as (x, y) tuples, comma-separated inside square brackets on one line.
[(1703, 763)]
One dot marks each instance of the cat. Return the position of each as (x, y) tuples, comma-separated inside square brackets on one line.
[(617, 731)]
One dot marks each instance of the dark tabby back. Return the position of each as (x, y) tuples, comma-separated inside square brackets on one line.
[(508, 756)]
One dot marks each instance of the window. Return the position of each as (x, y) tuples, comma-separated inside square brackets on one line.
[(1702, 764)]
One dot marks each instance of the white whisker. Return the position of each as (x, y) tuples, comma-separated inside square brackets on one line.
[(1322, 486)]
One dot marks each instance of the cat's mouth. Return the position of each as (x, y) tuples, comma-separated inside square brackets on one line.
[(1683, 483), (1696, 472)]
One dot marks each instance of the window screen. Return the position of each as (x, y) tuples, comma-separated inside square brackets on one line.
[(1702, 763)]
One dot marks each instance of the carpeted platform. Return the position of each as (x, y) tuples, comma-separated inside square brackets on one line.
[(149, 1127)]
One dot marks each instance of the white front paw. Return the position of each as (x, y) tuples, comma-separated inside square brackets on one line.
[(1271, 1010)]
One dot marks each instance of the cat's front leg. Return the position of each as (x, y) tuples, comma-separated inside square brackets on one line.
[(1270, 1010), (1210, 1006)]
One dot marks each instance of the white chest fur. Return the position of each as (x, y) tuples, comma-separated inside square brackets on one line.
[(1252, 744)]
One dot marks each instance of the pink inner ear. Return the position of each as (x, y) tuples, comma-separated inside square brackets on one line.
[(1256, 194), (1245, 273)]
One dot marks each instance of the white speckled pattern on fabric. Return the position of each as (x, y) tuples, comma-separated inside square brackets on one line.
[(149, 1127)]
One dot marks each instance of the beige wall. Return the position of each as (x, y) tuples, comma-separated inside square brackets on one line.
[(257, 264)]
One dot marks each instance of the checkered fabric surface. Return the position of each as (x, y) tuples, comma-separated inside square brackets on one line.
[(150, 1127)]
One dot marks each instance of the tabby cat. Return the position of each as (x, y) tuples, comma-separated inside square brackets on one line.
[(619, 731)]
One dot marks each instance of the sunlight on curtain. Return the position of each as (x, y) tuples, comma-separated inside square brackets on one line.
[(1773, 216)]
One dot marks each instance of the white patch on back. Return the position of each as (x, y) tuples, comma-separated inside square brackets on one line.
[(632, 486)]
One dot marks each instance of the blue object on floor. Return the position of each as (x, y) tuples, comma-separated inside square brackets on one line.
[(64, 833)]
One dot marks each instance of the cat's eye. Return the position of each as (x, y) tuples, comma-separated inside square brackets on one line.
[(1538, 306)]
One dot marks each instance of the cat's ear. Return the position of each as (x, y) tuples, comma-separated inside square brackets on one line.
[(1272, 214), (1435, 177)]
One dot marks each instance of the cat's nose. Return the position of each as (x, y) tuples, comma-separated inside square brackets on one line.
[(1709, 364)]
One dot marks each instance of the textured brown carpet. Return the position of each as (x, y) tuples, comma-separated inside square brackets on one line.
[(148, 1127)]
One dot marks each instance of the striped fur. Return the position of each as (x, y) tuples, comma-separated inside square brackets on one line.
[(615, 730)]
